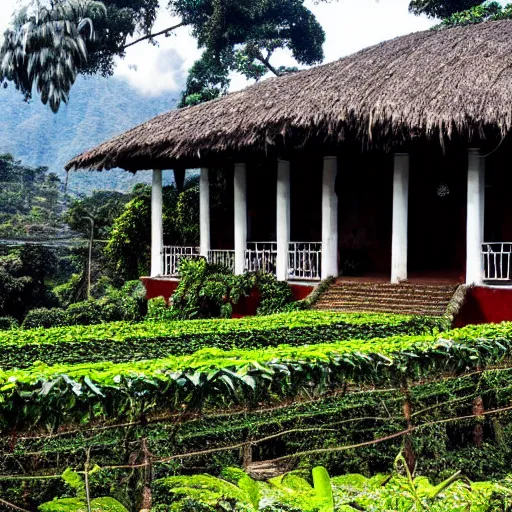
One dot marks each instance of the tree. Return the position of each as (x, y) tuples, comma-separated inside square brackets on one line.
[(103, 206), (30, 200), (242, 35), (129, 245), (441, 8), (472, 11), (66, 37)]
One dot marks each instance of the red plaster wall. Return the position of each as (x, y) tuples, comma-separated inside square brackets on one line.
[(247, 306), (301, 291), (156, 287), (485, 305)]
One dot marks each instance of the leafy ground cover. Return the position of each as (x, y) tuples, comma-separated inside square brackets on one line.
[(212, 377), (125, 341), (298, 492)]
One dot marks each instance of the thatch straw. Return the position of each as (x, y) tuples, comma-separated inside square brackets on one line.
[(448, 83)]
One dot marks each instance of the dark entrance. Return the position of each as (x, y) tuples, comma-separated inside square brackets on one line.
[(437, 213), (364, 187)]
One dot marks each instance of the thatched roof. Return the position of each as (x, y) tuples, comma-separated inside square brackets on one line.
[(448, 83)]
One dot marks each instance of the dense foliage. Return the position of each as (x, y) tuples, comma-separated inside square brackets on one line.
[(488, 11), (441, 8), (461, 12), (297, 492), (124, 342), (31, 201), (242, 36), (201, 410), (211, 376), (127, 304), (129, 244), (209, 290), (46, 46)]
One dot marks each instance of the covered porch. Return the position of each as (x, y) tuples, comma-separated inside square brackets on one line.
[(400, 218)]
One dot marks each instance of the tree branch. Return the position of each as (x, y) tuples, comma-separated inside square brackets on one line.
[(11, 505), (151, 36), (266, 63)]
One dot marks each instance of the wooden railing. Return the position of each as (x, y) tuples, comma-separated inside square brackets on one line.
[(305, 261), (497, 260)]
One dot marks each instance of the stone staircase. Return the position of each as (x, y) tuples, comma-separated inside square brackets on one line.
[(408, 298)]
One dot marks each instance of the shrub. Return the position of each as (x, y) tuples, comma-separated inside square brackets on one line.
[(208, 291), (8, 322), (127, 304), (159, 310), (276, 296), (43, 317), (73, 290), (85, 313)]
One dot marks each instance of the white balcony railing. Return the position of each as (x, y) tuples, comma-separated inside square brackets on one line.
[(305, 260), (221, 257), (261, 256), (173, 254), (497, 260)]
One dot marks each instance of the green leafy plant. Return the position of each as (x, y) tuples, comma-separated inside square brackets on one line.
[(213, 376), (44, 317), (126, 341)]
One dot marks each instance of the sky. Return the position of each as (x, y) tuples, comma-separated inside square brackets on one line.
[(350, 25)]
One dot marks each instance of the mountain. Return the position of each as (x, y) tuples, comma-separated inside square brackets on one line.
[(99, 108)]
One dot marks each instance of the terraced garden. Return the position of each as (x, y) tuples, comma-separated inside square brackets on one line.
[(119, 410)]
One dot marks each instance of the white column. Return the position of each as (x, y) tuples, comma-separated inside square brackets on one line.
[(283, 219), (204, 212), (329, 218), (240, 217), (157, 231), (475, 216), (400, 218)]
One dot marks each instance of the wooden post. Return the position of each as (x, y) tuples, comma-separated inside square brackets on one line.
[(409, 456), (478, 431)]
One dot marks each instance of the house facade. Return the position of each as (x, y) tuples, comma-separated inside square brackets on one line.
[(393, 163)]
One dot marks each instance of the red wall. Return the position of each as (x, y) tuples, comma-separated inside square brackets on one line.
[(158, 287), (485, 305)]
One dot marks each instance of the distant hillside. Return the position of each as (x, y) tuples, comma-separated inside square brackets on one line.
[(98, 109)]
